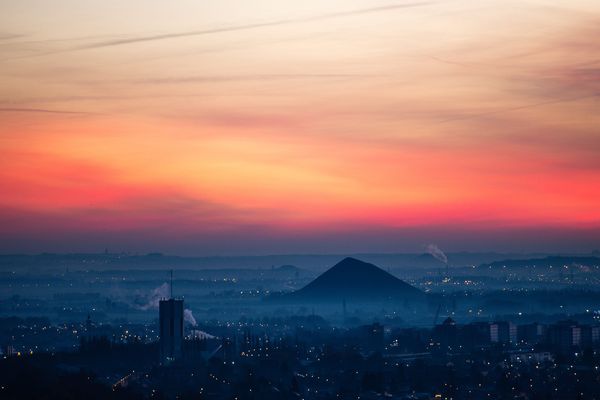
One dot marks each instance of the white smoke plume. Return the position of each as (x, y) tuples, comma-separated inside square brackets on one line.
[(437, 253), (152, 300), (188, 317)]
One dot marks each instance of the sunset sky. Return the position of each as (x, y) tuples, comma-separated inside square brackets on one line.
[(275, 126)]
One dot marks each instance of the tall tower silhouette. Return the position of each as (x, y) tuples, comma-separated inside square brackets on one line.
[(171, 328)]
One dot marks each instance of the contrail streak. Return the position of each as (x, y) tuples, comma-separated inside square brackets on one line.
[(139, 39), (242, 78)]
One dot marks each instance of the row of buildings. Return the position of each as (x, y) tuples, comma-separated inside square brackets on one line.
[(562, 336)]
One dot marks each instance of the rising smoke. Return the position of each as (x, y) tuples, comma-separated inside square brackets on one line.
[(151, 301), (188, 317), (437, 253)]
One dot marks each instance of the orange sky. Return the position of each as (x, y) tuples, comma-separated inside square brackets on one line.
[(233, 127)]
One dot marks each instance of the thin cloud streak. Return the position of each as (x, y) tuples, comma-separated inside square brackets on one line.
[(58, 40), (139, 39), (518, 108), (10, 36), (42, 110), (243, 78)]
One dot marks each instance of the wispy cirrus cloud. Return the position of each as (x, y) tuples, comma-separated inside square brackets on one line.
[(212, 31), (43, 111), (10, 36), (246, 78), (519, 108), (234, 28)]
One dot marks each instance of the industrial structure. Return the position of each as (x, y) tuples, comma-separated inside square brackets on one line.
[(171, 328)]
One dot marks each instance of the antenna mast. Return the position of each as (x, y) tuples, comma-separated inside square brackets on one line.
[(171, 287)]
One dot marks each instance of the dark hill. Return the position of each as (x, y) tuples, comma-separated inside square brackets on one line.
[(352, 279)]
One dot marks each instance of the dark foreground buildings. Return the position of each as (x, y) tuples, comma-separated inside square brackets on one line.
[(299, 357)]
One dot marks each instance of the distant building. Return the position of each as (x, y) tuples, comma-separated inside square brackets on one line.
[(503, 332), (476, 334), (530, 333), (564, 335), (10, 351), (446, 334), (171, 330), (590, 336), (531, 357)]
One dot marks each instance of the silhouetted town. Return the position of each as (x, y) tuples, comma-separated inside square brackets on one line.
[(398, 342)]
